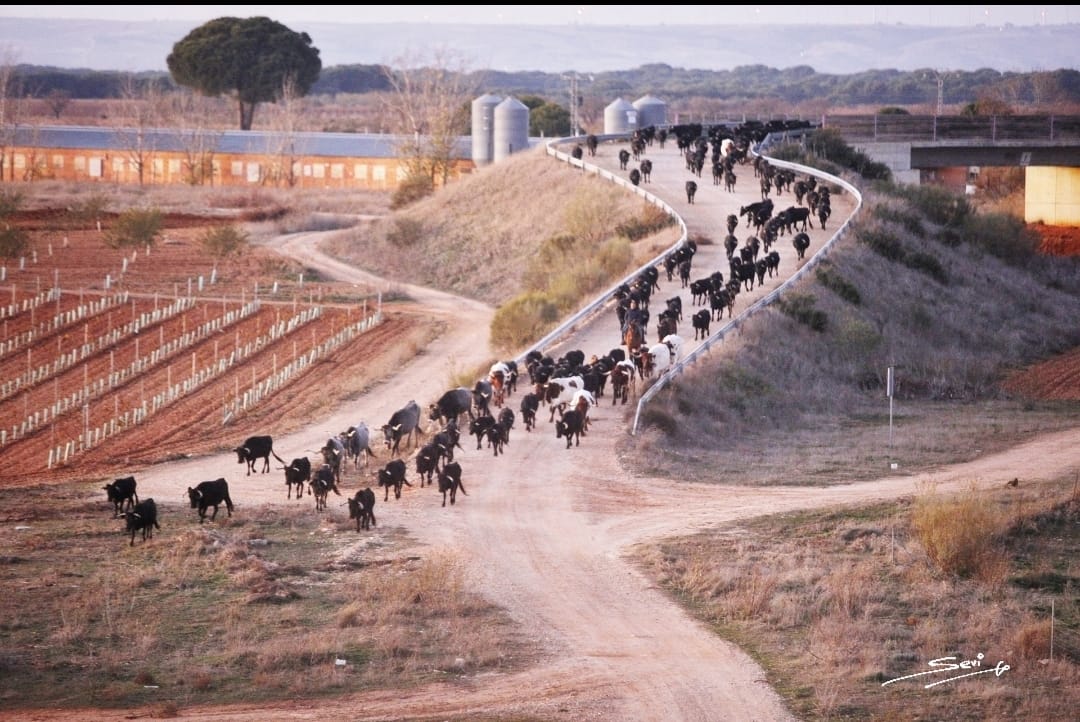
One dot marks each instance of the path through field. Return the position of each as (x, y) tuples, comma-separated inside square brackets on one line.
[(544, 528)]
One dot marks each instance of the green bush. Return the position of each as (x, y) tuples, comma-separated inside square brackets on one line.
[(928, 264), (801, 308), (523, 319), (831, 279), (1004, 236), (881, 242), (135, 227), (10, 201), (405, 232), (911, 222), (14, 242), (411, 190), (223, 241)]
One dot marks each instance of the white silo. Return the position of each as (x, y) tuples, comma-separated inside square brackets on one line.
[(483, 128), (651, 111), (620, 117), (511, 128)]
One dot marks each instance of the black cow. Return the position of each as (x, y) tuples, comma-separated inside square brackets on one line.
[(333, 453), (495, 438), (357, 441), (635, 176), (624, 158), (482, 394), (121, 493), (427, 462), (646, 170), (701, 321), (530, 404), (393, 475), (450, 482), (403, 424), (297, 473), (801, 241), (362, 508), (591, 142), (321, 485), (505, 423), (479, 428), (691, 191), (256, 447), (452, 404), (447, 440), (571, 425), (142, 517), (210, 494)]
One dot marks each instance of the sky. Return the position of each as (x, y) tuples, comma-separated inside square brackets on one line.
[(810, 14)]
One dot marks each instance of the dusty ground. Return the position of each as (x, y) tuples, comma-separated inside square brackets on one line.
[(543, 529)]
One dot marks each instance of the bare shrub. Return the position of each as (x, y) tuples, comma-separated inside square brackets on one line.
[(958, 533), (1032, 640), (135, 227)]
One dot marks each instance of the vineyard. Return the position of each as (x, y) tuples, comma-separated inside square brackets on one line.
[(101, 347)]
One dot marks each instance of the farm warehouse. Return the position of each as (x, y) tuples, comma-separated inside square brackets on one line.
[(210, 157)]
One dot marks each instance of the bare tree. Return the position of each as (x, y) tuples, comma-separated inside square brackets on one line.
[(284, 146), (140, 110), (58, 100), (194, 122), (429, 107), (11, 110)]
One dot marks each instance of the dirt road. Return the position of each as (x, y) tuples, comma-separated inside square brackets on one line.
[(543, 531)]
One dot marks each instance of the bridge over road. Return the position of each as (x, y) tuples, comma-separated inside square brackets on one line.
[(919, 147)]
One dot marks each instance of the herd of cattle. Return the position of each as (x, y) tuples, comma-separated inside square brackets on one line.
[(568, 386)]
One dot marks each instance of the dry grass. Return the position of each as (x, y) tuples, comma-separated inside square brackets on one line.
[(835, 603), (961, 533), (252, 608)]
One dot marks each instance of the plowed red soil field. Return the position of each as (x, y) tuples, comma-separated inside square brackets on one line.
[(85, 370)]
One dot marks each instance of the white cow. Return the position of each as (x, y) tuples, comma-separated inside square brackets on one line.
[(660, 356), (674, 343)]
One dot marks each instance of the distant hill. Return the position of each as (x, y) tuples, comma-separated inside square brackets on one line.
[(138, 46)]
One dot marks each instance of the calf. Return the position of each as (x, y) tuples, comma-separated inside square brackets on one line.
[(256, 447), (427, 462), (701, 322), (357, 441), (570, 425), (530, 404), (122, 494), (142, 517), (297, 473), (393, 475), (210, 494), (450, 481), (403, 424), (362, 508), (479, 428), (322, 484)]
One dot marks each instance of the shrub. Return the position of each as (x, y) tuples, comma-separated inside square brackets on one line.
[(411, 190), (135, 227), (1004, 236), (14, 242), (882, 242), (928, 264), (831, 279), (10, 201), (523, 319), (223, 241), (801, 308), (88, 212), (911, 222), (405, 232), (651, 220), (961, 534)]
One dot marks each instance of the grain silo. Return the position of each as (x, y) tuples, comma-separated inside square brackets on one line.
[(620, 117), (650, 111), (511, 128), (483, 128)]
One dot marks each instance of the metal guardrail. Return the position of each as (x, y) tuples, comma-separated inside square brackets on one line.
[(607, 295), (939, 128)]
